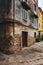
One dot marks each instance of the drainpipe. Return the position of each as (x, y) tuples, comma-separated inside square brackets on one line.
[(13, 14), (13, 3), (12, 11)]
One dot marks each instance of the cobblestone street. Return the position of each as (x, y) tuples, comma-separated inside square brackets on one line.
[(32, 55)]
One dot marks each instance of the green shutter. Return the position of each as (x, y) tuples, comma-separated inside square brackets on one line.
[(38, 14), (39, 25), (24, 15), (35, 22)]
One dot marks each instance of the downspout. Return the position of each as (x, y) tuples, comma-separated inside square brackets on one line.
[(13, 15), (13, 18)]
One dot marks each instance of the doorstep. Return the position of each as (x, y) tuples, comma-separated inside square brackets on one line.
[(24, 48)]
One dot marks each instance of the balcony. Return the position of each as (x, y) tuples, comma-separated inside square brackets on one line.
[(35, 14), (33, 1), (33, 26), (25, 4)]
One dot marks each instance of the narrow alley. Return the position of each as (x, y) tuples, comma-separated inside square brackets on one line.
[(32, 55)]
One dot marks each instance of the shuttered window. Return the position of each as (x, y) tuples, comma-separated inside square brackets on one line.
[(39, 25), (35, 22), (25, 15)]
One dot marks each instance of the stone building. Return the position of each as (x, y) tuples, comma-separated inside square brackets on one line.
[(18, 24)]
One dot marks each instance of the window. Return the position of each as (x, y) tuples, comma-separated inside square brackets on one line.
[(17, 8), (42, 17), (5, 5), (38, 14), (35, 7), (25, 15), (17, 11), (8, 5), (2, 6), (39, 25), (42, 25), (35, 22)]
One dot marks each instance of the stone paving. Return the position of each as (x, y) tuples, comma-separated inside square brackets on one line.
[(32, 55)]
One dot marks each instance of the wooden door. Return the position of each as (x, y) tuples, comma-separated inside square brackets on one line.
[(24, 39)]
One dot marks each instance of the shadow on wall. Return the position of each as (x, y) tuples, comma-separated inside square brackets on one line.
[(6, 44), (38, 39), (41, 37)]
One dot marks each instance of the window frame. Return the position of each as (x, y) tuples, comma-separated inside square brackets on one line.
[(25, 15), (38, 14), (34, 7)]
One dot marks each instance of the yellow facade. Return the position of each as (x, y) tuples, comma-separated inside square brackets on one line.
[(40, 20)]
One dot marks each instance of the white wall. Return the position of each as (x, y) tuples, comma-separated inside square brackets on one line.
[(31, 32)]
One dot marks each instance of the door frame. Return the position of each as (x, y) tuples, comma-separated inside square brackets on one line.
[(22, 41)]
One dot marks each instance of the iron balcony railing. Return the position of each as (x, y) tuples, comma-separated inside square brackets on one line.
[(25, 4), (33, 25), (35, 14)]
